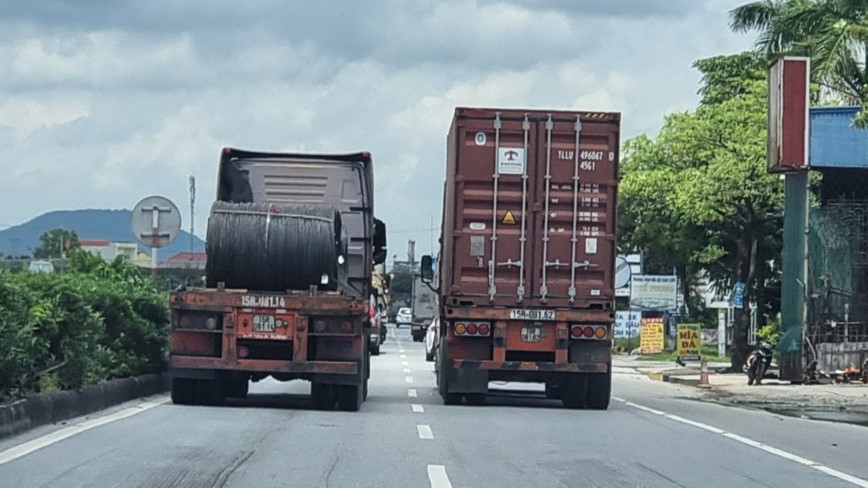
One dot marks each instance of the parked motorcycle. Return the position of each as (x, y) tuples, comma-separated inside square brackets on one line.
[(758, 362)]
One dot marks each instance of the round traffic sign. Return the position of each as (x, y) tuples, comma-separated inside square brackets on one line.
[(155, 222), (623, 273)]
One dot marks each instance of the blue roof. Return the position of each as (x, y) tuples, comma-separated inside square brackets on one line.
[(834, 142)]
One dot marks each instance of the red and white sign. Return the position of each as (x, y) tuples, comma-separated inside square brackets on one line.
[(789, 80)]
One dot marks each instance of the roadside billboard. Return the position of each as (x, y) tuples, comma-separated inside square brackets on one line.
[(650, 292), (627, 324), (689, 342), (651, 336)]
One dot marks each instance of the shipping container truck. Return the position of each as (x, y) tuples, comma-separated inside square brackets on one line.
[(423, 308), (292, 240), (526, 266)]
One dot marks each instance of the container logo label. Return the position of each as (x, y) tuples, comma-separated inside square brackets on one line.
[(481, 138), (510, 161)]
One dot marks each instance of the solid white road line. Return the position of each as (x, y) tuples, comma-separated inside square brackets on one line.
[(752, 443), (437, 476), (425, 432), (412, 393), (408, 379), (67, 432), (418, 408)]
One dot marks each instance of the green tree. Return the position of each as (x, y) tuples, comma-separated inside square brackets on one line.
[(56, 243), (699, 194), (833, 33)]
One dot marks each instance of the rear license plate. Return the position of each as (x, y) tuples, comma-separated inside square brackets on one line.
[(263, 323), (417, 327), (531, 334), (531, 314)]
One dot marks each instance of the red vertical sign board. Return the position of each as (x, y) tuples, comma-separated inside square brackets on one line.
[(789, 80)]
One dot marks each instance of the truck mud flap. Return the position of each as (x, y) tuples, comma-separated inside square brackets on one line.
[(466, 380)]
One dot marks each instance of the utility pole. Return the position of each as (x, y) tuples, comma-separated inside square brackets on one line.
[(192, 210)]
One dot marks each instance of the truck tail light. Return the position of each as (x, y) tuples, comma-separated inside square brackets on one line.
[(589, 331), (333, 326), (472, 329)]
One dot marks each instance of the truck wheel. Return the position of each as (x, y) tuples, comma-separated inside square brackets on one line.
[(210, 392), (553, 391), (375, 351), (574, 390), (183, 391), (349, 397), (365, 390), (599, 390), (429, 356), (237, 387), (443, 379), (322, 395), (475, 398)]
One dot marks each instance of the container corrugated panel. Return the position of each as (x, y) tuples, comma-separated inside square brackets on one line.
[(835, 143), (529, 214)]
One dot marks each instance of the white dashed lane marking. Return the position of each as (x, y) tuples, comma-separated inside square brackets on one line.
[(437, 476), (425, 432), (418, 408)]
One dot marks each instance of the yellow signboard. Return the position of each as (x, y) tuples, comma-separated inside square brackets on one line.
[(689, 341), (651, 336)]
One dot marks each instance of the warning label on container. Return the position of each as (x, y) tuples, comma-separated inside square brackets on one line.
[(509, 219), (510, 160)]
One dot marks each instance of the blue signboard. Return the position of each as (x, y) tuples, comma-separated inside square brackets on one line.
[(834, 142)]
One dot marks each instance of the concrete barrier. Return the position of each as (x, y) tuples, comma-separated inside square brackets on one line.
[(18, 416)]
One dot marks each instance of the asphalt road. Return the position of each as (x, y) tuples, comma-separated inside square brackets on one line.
[(654, 435)]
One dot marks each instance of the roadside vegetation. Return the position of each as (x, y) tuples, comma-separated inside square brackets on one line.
[(94, 322)]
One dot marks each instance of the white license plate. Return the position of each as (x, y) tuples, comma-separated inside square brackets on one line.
[(531, 314), (531, 334), (263, 323)]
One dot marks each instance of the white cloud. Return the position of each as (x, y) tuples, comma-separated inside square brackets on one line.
[(25, 115), (102, 106)]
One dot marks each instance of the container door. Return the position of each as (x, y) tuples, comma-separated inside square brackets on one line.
[(493, 215), (574, 232)]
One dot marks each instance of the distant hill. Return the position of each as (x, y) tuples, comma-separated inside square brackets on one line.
[(112, 225)]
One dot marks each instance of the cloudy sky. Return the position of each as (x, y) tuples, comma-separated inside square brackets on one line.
[(105, 102)]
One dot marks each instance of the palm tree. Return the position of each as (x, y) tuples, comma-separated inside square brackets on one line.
[(834, 33)]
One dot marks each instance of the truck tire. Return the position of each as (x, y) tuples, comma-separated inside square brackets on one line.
[(599, 390), (574, 390), (553, 391), (349, 397), (210, 392), (475, 398), (443, 379), (375, 350), (322, 395), (237, 387), (429, 356), (183, 391)]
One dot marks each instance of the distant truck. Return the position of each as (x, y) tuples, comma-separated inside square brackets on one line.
[(525, 274), (259, 316), (423, 308)]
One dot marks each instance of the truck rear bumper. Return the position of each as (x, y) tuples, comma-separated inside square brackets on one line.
[(349, 368), (530, 366)]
